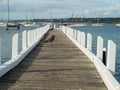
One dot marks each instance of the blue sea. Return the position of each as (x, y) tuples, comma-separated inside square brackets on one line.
[(108, 32)]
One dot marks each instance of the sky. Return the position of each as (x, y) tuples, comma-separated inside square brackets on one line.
[(42, 9)]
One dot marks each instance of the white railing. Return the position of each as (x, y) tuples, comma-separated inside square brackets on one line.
[(29, 40), (107, 72)]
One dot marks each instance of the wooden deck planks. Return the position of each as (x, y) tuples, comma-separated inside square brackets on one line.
[(54, 66)]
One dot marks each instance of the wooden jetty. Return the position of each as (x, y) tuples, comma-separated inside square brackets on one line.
[(59, 65)]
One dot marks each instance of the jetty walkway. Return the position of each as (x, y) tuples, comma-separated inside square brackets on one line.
[(59, 65)]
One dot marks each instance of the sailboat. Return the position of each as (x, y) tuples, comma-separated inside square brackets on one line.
[(2, 24), (118, 24), (10, 24), (98, 23), (30, 22), (81, 24)]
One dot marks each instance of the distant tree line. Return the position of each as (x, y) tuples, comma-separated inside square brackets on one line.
[(84, 20), (78, 20)]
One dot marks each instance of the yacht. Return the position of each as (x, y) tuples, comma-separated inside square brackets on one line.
[(29, 24), (118, 25), (2, 24), (98, 23)]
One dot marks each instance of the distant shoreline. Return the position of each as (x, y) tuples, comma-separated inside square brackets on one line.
[(77, 20)]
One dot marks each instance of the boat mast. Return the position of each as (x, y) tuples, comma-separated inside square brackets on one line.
[(51, 17), (8, 10), (8, 15), (72, 17), (33, 10)]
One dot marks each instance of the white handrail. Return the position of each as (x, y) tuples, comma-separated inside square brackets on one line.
[(107, 76), (24, 40)]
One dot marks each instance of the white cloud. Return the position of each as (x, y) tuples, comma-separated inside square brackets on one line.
[(62, 8), (113, 10)]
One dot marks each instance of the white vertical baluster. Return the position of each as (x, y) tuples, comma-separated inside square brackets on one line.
[(15, 46), (24, 39), (111, 55), (28, 39), (37, 32), (54, 26), (0, 50), (32, 37), (89, 41), (64, 29), (79, 36), (83, 38), (76, 34), (73, 33), (99, 47)]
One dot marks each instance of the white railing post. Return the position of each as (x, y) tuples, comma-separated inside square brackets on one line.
[(111, 55), (79, 37), (89, 42), (14, 46), (24, 40), (33, 37), (37, 34), (0, 50), (76, 34), (28, 39), (99, 47), (54, 26), (72, 33), (83, 39)]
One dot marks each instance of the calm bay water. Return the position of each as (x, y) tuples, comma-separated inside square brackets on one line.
[(6, 40), (108, 32)]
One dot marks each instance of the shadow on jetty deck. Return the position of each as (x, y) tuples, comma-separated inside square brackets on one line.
[(59, 65)]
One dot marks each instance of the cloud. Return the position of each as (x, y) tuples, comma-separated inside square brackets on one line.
[(113, 10), (60, 8)]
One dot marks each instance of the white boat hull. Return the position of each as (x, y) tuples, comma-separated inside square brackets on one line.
[(29, 24), (118, 25), (97, 24), (78, 25), (2, 24)]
